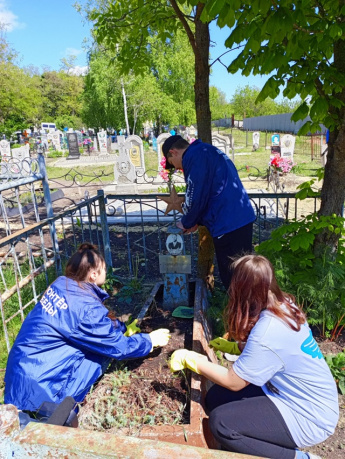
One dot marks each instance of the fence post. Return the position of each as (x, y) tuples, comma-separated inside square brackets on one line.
[(50, 212), (246, 138), (312, 147), (105, 229)]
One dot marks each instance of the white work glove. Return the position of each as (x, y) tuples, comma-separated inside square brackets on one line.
[(160, 337)]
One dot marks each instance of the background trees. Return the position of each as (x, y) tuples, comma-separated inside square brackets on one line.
[(20, 97), (126, 28), (244, 104)]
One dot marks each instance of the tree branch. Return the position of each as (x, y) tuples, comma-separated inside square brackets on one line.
[(226, 52), (185, 24)]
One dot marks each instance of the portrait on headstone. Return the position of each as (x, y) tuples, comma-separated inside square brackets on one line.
[(275, 139), (174, 244)]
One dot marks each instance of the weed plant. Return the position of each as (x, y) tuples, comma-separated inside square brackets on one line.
[(317, 281), (217, 303), (336, 364), (114, 405)]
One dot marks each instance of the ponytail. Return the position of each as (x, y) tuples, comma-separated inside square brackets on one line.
[(87, 257)]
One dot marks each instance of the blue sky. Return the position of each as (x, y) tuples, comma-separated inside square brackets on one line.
[(45, 31)]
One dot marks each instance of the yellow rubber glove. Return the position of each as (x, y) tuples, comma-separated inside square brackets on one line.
[(223, 345), (160, 337), (132, 328), (182, 358)]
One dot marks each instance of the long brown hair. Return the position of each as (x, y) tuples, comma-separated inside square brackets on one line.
[(254, 288), (87, 257)]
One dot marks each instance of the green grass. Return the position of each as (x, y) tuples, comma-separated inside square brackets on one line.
[(244, 155), (151, 162)]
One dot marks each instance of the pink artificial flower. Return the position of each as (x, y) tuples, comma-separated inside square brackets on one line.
[(282, 164)]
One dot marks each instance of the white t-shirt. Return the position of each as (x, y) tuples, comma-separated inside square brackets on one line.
[(294, 364)]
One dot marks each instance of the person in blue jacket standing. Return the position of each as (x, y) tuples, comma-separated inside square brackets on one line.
[(67, 340), (215, 198)]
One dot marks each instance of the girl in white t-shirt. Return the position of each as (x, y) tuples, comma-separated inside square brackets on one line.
[(279, 395)]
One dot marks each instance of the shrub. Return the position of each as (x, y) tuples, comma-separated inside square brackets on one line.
[(318, 282)]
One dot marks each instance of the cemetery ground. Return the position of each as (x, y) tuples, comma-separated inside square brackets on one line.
[(158, 396)]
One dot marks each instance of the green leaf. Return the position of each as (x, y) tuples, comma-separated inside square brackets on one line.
[(269, 90), (301, 112), (183, 312), (319, 108), (305, 129), (341, 385), (212, 9), (335, 31)]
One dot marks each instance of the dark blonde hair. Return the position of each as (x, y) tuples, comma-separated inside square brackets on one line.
[(87, 257), (254, 288)]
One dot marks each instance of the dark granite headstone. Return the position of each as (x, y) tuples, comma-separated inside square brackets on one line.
[(73, 146)]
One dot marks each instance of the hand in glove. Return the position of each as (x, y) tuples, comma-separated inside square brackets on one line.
[(132, 328), (221, 344), (182, 358), (160, 337)]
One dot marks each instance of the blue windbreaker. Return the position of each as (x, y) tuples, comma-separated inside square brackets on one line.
[(62, 345), (215, 196)]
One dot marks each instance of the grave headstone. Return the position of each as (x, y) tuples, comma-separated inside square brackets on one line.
[(160, 140), (287, 146), (5, 152), (176, 268), (21, 160), (256, 140), (192, 132), (5, 148), (136, 154), (54, 139), (21, 153), (221, 142), (109, 144), (102, 141), (124, 170), (73, 146)]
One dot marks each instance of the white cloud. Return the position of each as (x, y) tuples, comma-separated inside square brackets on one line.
[(72, 52), (8, 19), (78, 70)]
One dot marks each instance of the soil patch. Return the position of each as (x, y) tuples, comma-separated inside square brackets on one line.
[(139, 392)]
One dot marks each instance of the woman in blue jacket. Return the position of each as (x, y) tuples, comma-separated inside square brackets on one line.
[(67, 340)]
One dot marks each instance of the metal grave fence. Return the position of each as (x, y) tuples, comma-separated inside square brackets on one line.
[(37, 240)]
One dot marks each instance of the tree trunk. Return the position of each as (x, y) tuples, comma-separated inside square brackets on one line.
[(206, 257), (202, 77), (125, 106), (333, 188), (203, 117)]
